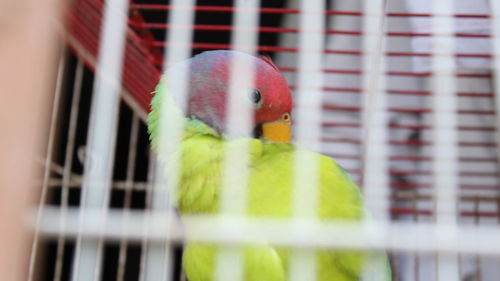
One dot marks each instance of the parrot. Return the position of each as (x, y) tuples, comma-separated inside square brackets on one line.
[(271, 165)]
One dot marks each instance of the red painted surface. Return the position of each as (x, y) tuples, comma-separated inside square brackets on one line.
[(140, 75)]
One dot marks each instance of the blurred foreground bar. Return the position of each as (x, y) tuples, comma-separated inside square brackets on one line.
[(28, 32)]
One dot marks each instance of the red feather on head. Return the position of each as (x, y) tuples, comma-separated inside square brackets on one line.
[(209, 84)]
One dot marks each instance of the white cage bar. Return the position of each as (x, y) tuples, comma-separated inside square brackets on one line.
[(48, 161), (495, 22), (68, 159), (102, 136), (134, 132), (308, 111), (375, 170), (229, 260), (397, 236), (375, 180), (158, 258), (444, 153)]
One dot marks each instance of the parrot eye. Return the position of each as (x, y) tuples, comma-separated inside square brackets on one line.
[(255, 97), (286, 116)]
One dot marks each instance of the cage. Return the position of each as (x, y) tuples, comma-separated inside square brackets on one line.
[(400, 93)]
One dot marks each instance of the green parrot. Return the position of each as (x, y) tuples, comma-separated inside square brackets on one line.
[(270, 181)]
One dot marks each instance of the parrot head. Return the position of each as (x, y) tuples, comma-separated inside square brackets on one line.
[(269, 95)]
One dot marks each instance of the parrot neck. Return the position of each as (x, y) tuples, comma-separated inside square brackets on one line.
[(195, 127)]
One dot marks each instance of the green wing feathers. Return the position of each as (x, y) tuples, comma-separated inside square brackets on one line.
[(155, 113), (270, 193)]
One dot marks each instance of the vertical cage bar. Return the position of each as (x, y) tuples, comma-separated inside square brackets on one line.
[(129, 185), (68, 161), (239, 122), (102, 135), (47, 164), (308, 109), (146, 254), (445, 118), (444, 150), (158, 256), (489, 263), (374, 132), (374, 114), (233, 199), (308, 112), (495, 22)]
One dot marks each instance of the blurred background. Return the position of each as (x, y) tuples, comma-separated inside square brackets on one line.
[(408, 74)]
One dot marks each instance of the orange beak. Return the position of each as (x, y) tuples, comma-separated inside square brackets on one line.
[(279, 130)]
